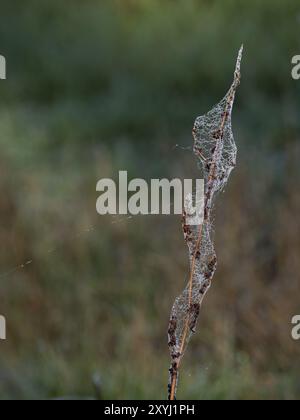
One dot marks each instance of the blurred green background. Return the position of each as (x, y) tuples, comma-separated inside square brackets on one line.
[(95, 87)]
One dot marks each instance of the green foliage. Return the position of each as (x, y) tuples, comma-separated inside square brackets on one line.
[(94, 87)]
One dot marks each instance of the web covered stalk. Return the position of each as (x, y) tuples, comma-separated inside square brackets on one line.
[(216, 152)]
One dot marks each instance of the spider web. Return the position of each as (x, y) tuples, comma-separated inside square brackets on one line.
[(216, 151)]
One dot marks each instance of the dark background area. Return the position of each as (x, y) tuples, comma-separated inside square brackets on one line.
[(95, 87)]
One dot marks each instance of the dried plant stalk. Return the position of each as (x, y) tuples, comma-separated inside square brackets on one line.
[(215, 150)]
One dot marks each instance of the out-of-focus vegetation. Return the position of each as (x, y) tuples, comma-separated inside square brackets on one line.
[(98, 86)]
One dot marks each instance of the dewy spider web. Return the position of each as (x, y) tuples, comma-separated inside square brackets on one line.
[(216, 151)]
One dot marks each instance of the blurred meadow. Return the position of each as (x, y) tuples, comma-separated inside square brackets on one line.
[(95, 87)]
